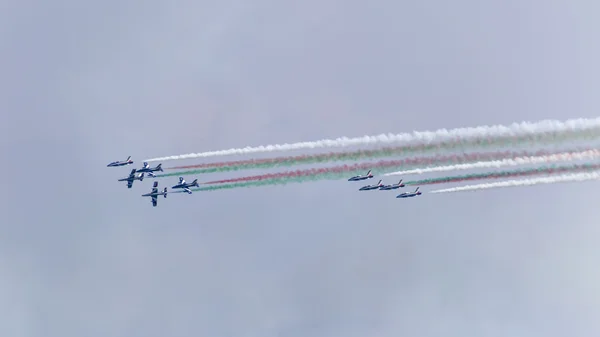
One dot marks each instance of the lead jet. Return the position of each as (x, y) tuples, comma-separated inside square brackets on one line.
[(371, 187), (155, 193), (392, 187), (132, 177), (409, 194), (121, 163), (150, 170), (186, 186), (359, 177)]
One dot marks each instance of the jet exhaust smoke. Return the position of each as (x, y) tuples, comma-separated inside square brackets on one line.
[(538, 159), (442, 138), (441, 180), (507, 174), (577, 177), (401, 163)]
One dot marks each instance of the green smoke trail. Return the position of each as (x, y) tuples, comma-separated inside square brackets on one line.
[(549, 169), (371, 154), (524, 141)]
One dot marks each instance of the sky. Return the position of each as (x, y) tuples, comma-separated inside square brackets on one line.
[(87, 83)]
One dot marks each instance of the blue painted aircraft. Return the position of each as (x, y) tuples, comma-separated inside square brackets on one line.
[(359, 177), (150, 170), (132, 177), (392, 187), (409, 194), (121, 163), (155, 193), (371, 187), (186, 186)]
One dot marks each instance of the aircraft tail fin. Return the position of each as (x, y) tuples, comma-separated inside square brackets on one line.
[(417, 190), (195, 182), (379, 183), (165, 192), (369, 173), (400, 182), (128, 158), (159, 167)]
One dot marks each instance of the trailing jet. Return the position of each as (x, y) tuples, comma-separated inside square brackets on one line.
[(155, 193), (132, 177), (149, 170), (409, 194), (121, 163), (392, 187), (186, 186), (359, 177), (371, 187)]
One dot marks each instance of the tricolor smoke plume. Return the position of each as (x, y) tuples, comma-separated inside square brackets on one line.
[(539, 159), (507, 174), (345, 169), (441, 180), (577, 177), (406, 162), (460, 137), (265, 163)]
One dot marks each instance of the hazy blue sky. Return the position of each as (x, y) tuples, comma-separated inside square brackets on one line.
[(83, 84)]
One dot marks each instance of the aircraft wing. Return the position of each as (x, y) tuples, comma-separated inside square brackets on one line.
[(129, 183), (154, 200), (187, 190)]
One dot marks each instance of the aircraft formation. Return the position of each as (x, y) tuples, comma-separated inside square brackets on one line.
[(381, 187), (138, 174)]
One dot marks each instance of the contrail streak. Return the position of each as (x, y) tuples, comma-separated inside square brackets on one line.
[(266, 163), (507, 174), (449, 179), (346, 169), (538, 159), (577, 177), (459, 137), (400, 163)]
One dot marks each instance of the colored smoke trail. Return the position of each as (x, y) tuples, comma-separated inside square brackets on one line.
[(401, 163), (265, 163), (339, 171), (577, 177), (461, 136), (507, 174), (441, 180), (538, 159)]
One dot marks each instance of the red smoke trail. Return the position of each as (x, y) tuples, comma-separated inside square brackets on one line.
[(398, 164)]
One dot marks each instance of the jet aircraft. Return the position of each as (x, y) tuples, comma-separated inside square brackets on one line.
[(360, 177), (132, 177), (121, 163), (409, 194), (371, 187), (150, 170), (392, 187), (186, 186), (155, 193)]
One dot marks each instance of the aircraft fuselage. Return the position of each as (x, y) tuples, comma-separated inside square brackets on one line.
[(359, 178), (410, 195)]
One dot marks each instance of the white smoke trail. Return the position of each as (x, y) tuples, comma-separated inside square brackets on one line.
[(416, 137), (576, 177), (566, 156)]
